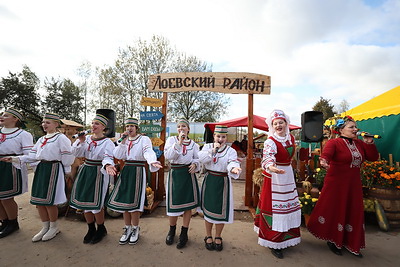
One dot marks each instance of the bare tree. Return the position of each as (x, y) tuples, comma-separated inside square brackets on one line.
[(85, 71), (122, 85), (342, 107), (195, 105)]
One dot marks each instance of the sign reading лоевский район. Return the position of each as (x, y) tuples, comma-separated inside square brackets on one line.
[(223, 82)]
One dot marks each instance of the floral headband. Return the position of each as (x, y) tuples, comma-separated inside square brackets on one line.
[(341, 122)]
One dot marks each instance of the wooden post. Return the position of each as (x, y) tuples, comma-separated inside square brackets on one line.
[(248, 197), (161, 188)]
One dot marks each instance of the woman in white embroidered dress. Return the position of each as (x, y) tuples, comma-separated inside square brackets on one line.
[(91, 184), (221, 164), (182, 188), (129, 193), (278, 215), (53, 152), (14, 176)]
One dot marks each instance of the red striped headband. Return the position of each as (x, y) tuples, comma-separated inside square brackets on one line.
[(15, 113), (102, 119), (52, 116), (221, 129), (132, 121)]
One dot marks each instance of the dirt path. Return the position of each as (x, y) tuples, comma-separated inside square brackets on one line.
[(240, 245)]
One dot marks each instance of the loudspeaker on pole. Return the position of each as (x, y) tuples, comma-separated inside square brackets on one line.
[(110, 128), (312, 126)]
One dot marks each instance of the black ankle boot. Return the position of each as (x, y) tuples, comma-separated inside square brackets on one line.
[(100, 233), (183, 238), (334, 249), (171, 235), (277, 253), (3, 224), (11, 227), (90, 233)]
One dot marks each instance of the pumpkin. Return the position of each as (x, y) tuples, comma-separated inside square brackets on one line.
[(148, 190)]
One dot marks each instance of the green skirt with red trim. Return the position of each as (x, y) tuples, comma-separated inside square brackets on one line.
[(10, 181)]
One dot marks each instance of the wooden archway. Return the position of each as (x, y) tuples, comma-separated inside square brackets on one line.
[(222, 82)]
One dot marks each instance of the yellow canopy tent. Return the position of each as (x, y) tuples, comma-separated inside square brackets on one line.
[(380, 115), (385, 104)]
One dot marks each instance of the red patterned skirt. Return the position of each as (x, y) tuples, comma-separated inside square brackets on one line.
[(263, 223)]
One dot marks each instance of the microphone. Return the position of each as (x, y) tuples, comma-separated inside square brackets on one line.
[(183, 136), (377, 136), (81, 133), (122, 138), (217, 148)]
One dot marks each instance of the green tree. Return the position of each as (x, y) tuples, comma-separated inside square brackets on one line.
[(19, 90), (323, 105), (64, 98)]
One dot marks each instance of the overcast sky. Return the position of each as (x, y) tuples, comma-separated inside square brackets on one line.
[(341, 49)]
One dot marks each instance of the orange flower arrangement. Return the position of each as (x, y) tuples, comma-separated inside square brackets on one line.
[(380, 174)]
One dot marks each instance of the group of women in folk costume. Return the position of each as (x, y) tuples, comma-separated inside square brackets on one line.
[(92, 181), (129, 193), (14, 176), (54, 155)]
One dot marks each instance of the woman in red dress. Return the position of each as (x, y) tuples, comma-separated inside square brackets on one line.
[(278, 216), (338, 216)]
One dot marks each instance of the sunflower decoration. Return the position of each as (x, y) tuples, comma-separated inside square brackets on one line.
[(340, 121), (307, 203), (320, 176)]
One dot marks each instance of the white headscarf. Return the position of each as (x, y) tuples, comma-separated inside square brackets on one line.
[(278, 114)]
